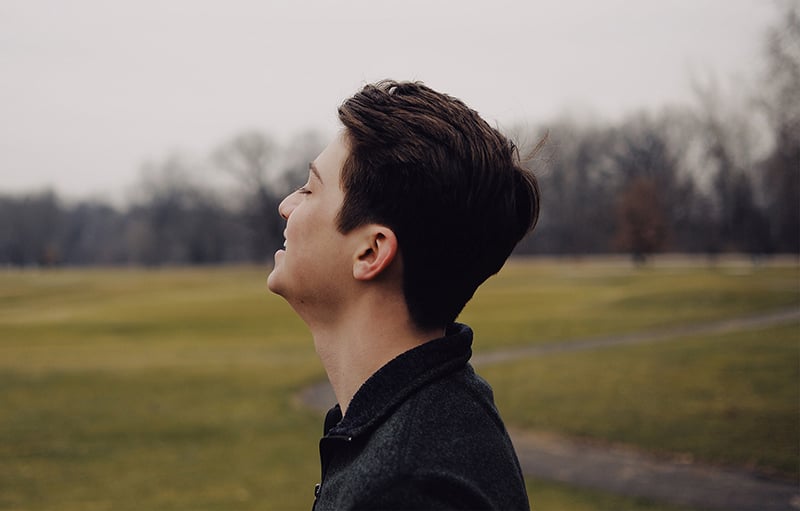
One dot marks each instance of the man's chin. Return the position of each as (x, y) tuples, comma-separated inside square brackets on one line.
[(273, 280), (273, 283)]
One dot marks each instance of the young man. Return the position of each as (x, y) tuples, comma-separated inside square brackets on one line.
[(404, 215)]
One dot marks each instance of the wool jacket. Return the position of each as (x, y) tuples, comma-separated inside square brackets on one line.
[(421, 433)]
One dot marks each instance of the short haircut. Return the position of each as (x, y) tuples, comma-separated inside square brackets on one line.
[(451, 188)]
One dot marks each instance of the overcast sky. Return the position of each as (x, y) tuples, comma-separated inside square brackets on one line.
[(90, 90)]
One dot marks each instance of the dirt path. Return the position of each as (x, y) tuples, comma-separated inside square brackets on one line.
[(625, 470)]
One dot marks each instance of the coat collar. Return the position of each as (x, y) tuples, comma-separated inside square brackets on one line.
[(397, 380)]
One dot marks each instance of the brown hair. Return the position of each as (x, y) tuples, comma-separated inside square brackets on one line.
[(450, 186)]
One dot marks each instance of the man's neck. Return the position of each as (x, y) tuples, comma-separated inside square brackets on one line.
[(363, 340)]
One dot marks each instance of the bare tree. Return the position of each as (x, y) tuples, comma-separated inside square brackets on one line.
[(730, 144), (641, 219), (93, 233), (178, 221), (780, 100), (252, 159), (29, 229)]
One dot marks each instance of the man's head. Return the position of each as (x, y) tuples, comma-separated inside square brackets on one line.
[(449, 186)]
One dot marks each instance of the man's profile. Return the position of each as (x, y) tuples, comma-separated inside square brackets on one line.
[(410, 208)]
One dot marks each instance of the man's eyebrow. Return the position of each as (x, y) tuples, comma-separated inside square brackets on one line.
[(313, 169)]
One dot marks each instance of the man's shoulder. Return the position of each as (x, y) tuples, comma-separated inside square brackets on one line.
[(463, 400), (444, 446), (450, 421), (448, 433)]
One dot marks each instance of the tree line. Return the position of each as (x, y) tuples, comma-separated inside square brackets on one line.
[(175, 217), (721, 175)]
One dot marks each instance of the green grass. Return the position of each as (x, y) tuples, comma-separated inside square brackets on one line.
[(173, 389), (557, 301), (551, 496), (731, 399), (152, 439)]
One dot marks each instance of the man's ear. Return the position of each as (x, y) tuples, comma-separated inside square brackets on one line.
[(376, 254)]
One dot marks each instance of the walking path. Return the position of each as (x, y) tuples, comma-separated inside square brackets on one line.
[(625, 470)]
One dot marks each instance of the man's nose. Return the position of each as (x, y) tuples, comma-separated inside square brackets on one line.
[(287, 205)]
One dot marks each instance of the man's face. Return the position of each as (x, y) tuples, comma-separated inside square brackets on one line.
[(316, 261)]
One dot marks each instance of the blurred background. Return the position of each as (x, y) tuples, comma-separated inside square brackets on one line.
[(167, 133), (144, 148)]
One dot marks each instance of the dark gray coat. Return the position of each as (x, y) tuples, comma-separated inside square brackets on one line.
[(421, 433)]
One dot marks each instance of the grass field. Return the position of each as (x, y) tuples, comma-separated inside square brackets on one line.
[(551, 496), (172, 389), (731, 399)]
